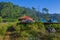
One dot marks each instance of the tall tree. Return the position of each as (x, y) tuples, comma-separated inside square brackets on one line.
[(34, 14), (45, 10), (46, 13)]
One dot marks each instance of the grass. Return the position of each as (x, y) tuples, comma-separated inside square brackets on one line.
[(30, 28)]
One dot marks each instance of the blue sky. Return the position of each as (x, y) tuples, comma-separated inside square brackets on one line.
[(52, 5)]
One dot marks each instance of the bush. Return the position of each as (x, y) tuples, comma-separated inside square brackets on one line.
[(32, 28), (10, 20), (0, 19), (56, 26)]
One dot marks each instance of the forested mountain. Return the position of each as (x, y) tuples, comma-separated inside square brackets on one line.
[(9, 10)]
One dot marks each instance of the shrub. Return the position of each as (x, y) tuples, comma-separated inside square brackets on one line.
[(0, 19)]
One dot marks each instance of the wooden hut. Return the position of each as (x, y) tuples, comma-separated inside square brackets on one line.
[(26, 19)]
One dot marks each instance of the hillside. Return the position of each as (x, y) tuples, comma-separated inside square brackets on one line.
[(9, 12)]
